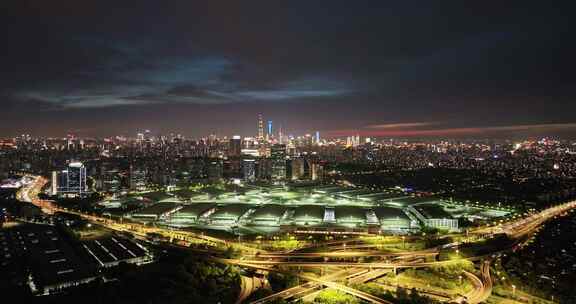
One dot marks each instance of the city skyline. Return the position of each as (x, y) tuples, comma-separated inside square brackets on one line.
[(394, 70), (400, 131), (275, 152)]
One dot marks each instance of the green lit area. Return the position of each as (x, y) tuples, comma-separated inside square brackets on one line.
[(252, 209)]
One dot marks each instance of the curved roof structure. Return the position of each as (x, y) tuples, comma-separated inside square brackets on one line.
[(392, 218), (269, 212), (193, 211), (350, 215), (230, 212), (156, 210), (308, 215)]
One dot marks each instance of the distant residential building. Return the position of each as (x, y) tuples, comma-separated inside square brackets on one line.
[(316, 171), (264, 169), (215, 170), (235, 146), (297, 168)]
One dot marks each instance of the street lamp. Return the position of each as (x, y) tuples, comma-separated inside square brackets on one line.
[(513, 290)]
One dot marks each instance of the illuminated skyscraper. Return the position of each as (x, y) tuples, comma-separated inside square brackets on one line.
[(269, 135), (72, 181), (70, 142), (278, 157), (317, 137), (260, 127), (77, 178), (112, 181), (297, 168), (249, 170), (316, 171), (138, 179), (54, 188), (353, 141)]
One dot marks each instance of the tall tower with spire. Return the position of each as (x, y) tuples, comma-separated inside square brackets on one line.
[(260, 127)]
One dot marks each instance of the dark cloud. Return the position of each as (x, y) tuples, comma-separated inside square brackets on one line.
[(121, 66)]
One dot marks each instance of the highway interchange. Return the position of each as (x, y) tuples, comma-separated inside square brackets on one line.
[(339, 266)]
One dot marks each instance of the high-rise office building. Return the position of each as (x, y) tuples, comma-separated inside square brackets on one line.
[(77, 178), (297, 168), (263, 169), (138, 179), (71, 181), (111, 181), (316, 171), (278, 157), (54, 186)]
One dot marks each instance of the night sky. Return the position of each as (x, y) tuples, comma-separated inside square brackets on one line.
[(377, 68)]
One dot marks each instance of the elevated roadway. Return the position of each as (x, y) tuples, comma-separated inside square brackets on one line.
[(483, 285)]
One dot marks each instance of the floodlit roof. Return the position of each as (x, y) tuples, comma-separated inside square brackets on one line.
[(309, 212), (232, 211), (331, 189), (194, 210), (382, 196), (75, 164), (157, 209), (269, 211), (409, 201), (389, 213), (350, 214)]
